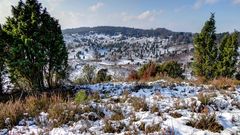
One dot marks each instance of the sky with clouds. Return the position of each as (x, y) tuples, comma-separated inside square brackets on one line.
[(177, 15)]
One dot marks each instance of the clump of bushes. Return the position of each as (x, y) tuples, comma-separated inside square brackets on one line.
[(206, 122), (102, 76), (171, 69), (90, 76)]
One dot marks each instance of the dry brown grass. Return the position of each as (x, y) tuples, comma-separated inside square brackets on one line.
[(108, 128), (175, 114), (154, 108), (62, 113), (13, 111), (117, 116), (55, 105), (224, 83), (204, 98), (152, 128), (206, 122), (133, 76), (139, 104)]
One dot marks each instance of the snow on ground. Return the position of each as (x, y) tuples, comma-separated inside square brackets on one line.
[(168, 98)]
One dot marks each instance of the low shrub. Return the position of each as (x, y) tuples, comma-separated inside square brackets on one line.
[(102, 76), (171, 69), (206, 122), (81, 96), (139, 104), (152, 70)]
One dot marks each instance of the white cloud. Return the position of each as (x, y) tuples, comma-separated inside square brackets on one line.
[(96, 6), (199, 3), (145, 15), (236, 1)]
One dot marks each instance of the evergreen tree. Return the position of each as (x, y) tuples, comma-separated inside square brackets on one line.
[(56, 51), (228, 55), (205, 52), (33, 45), (1, 59)]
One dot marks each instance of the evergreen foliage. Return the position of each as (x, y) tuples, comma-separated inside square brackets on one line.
[(210, 60), (172, 69), (205, 53), (102, 76), (227, 58), (1, 59), (36, 48)]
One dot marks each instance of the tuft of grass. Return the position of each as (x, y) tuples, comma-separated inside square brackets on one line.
[(139, 104), (176, 115), (206, 122), (154, 108), (108, 128), (152, 128), (204, 98), (117, 116)]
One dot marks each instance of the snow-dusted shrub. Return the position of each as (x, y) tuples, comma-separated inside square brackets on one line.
[(152, 128), (139, 104), (206, 122)]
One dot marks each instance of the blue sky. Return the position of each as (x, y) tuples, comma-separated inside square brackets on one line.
[(177, 15)]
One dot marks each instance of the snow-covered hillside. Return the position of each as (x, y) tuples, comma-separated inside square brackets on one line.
[(121, 51)]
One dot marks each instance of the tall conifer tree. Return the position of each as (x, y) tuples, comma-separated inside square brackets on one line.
[(205, 53), (30, 48), (227, 58)]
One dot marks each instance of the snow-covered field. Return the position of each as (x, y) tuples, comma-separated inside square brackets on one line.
[(151, 108)]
